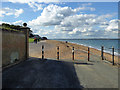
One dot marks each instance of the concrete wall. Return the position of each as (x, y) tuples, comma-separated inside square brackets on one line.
[(0, 49), (13, 47), (1, 61)]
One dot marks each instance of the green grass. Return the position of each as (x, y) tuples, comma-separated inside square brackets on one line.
[(31, 40), (8, 28)]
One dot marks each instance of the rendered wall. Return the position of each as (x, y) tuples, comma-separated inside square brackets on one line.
[(13, 47)]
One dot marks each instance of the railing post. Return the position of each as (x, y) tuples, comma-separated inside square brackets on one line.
[(88, 54), (73, 53), (58, 53), (113, 55), (42, 51), (102, 48)]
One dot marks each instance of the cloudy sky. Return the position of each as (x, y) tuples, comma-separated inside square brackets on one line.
[(63, 19)]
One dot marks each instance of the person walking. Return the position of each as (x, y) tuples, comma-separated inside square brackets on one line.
[(35, 40)]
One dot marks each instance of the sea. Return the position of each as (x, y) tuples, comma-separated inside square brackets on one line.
[(97, 43)]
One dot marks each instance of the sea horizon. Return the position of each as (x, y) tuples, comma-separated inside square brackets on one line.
[(85, 38)]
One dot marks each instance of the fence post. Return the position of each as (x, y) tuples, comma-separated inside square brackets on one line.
[(88, 54), (42, 51), (73, 53), (102, 48), (58, 53), (113, 54)]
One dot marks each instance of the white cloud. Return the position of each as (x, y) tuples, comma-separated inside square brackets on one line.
[(7, 11), (52, 15), (86, 4), (27, 1), (85, 8), (20, 22), (36, 6), (113, 26), (86, 25), (67, 22), (4, 22), (18, 12)]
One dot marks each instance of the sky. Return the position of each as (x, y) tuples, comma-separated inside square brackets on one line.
[(61, 20)]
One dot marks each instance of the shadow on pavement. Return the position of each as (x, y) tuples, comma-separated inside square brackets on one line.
[(83, 63), (37, 73)]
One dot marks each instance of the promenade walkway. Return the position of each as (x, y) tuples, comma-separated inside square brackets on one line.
[(65, 73)]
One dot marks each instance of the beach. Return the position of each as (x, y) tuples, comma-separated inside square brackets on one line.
[(65, 51)]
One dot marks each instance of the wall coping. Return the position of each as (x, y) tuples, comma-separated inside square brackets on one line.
[(12, 31)]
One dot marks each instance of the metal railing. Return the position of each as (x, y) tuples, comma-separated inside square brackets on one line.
[(88, 52)]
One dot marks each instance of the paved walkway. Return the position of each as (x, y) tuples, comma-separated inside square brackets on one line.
[(37, 73)]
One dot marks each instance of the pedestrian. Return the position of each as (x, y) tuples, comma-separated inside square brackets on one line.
[(35, 40)]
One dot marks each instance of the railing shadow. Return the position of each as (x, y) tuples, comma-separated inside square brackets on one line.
[(83, 63)]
